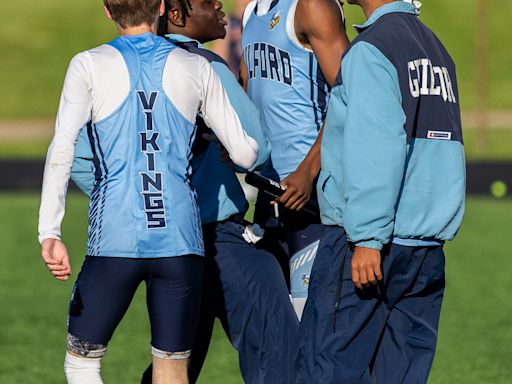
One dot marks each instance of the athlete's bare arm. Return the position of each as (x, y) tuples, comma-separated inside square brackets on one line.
[(243, 74), (319, 26)]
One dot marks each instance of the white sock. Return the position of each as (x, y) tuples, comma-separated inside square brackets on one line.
[(82, 370)]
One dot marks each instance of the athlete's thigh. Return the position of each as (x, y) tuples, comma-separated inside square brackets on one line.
[(174, 289), (339, 322), (267, 216), (409, 339), (101, 295), (303, 237), (243, 268), (258, 315), (211, 304)]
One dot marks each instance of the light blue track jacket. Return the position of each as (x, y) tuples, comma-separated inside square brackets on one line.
[(392, 156), (219, 193)]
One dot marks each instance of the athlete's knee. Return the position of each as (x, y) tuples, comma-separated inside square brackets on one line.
[(82, 364), (85, 349), (164, 355)]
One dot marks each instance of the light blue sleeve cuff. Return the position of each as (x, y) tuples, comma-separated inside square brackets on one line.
[(374, 244)]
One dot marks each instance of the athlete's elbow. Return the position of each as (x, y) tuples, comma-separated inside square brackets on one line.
[(245, 157)]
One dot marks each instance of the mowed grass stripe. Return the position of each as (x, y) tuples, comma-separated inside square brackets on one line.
[(497, 146)]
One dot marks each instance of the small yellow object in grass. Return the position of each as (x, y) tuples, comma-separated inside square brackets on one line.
[(499, 189)]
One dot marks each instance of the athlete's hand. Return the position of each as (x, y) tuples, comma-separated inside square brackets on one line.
[(224, 155), (366, 267), (299, 186), (55, 256)]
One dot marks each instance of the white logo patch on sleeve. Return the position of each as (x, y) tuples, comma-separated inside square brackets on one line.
[(439, 135)]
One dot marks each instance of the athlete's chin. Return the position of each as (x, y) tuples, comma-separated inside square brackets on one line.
[(222, 33)]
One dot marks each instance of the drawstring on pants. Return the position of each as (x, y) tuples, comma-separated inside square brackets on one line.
[(340, 284)]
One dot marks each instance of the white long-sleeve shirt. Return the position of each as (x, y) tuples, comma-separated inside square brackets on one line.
[(97, 84)]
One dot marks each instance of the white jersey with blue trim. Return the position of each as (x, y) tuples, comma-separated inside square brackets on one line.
[(139, 96), (284, 81)]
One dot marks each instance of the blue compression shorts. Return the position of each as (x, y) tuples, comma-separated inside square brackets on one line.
[(106, 285)]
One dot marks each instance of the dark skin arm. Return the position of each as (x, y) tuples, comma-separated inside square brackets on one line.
[(319, 27), (299, 184), (243, 74)]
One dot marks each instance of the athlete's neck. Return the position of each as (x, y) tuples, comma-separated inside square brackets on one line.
[(138, 30), (370, 6)]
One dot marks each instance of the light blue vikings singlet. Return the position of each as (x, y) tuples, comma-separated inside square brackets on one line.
[(141, 204)]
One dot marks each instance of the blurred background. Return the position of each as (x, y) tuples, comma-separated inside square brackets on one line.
[(37, 41)]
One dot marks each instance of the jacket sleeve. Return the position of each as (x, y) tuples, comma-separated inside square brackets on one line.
[(82, 170), (375, 146), (247, 113), (219, 114)]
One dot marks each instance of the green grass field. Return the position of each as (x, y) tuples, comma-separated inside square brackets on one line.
[(475, 334), (34, 307), (41, 37), (499, 144)]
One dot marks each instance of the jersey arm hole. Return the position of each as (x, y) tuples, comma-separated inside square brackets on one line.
[(81, 66), (290, 27), (249, 10), (90, 73), (91, 81), (192, 73), (77, 79), (131, 87)]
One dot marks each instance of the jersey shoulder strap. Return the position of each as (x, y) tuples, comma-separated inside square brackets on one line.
[(130, 57)]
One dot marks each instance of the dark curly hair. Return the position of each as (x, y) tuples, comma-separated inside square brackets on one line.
[(185, 6)]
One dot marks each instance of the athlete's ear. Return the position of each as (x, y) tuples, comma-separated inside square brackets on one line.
[(107, 12), (175, 15), (162, 8)]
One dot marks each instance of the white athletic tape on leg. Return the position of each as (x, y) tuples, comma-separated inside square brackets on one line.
[(82, 370)]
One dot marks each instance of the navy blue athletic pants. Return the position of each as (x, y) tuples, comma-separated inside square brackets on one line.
[(385, 334), (245, 289), (292, 237)]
